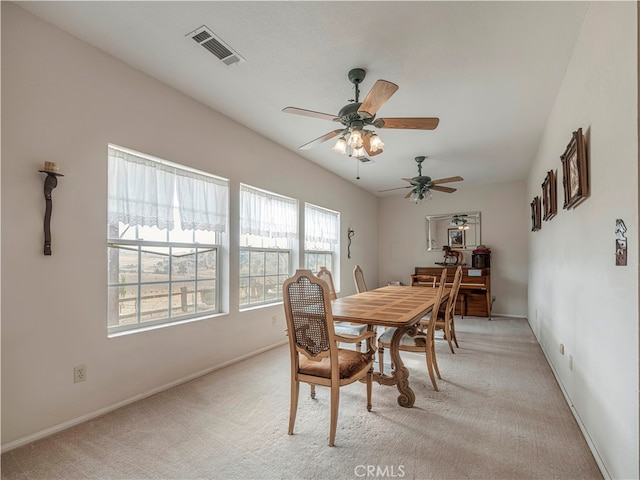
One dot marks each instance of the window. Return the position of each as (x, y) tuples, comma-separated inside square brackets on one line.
[(165, 228), (268, 230), (321, 238)]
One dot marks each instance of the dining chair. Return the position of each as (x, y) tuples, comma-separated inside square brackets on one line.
[(327, 276), (424, 278), (348, 330), (422, 341), (358, 278), (446, 316), (316, 358)]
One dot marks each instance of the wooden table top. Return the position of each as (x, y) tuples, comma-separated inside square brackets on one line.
[(387, 306)]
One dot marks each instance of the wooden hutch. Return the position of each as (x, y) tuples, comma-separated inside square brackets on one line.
[(474, 297)]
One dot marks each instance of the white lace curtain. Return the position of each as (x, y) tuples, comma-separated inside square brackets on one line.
[(267, 214), (145, 192), (321, 225)]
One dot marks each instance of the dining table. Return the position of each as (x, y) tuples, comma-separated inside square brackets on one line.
[(401, 307)]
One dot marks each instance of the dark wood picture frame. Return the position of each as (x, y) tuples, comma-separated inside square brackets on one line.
[(549, 196), (536, 216), (575, 171), (456, 238)]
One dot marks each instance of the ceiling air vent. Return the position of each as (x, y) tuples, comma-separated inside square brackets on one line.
[(204, 37)]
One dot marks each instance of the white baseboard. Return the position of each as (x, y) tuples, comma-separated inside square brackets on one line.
[(78, 420), (576, 415), (507, 315)]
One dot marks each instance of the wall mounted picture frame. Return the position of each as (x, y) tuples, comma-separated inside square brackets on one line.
[(575, 171), (456, 237), (536, 215), (549, 196)]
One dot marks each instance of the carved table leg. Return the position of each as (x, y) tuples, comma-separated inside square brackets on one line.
[(400, 374)]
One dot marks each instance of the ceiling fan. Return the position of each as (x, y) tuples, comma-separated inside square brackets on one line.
[(421, 186), (355, 138)]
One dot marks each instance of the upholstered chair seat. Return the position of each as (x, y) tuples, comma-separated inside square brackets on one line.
[(351, 362)]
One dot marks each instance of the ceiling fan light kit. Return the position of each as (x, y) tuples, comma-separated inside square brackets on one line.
[(340, 146), (418, 195), (376, 143), (358, 152), (356, 143), (355, 139)]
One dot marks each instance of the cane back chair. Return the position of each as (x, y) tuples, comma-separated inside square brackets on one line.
[(313, 344)]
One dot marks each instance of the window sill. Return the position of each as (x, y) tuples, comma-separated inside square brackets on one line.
[(263, 305), (164, 325)]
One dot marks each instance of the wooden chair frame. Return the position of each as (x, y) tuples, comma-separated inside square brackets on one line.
[(358, 279), (315, 356), (423, 341), (351, 331), (446, 317), (327, 276)]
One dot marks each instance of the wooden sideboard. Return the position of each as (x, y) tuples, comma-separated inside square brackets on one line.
[(474, 297)]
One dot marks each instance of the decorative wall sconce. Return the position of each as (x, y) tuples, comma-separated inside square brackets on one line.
[(350, 233), (53, 172)]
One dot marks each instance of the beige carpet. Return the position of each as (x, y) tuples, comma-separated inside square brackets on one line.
[(499, 415)]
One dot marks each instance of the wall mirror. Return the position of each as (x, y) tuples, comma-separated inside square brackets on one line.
[(457, 230)]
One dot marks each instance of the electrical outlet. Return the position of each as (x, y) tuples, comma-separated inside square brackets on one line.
[(274, 320), (79, 373)]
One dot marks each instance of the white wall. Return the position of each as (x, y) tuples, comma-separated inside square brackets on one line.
[(505, 220), (64, 101), (577, 296)]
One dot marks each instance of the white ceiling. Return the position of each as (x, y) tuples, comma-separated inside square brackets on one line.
[(489, 70)]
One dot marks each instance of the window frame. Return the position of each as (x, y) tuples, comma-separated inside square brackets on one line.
[(249, 250), (173, 244), (139, 246), (316, 253), (281, 277), (334, 254)]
